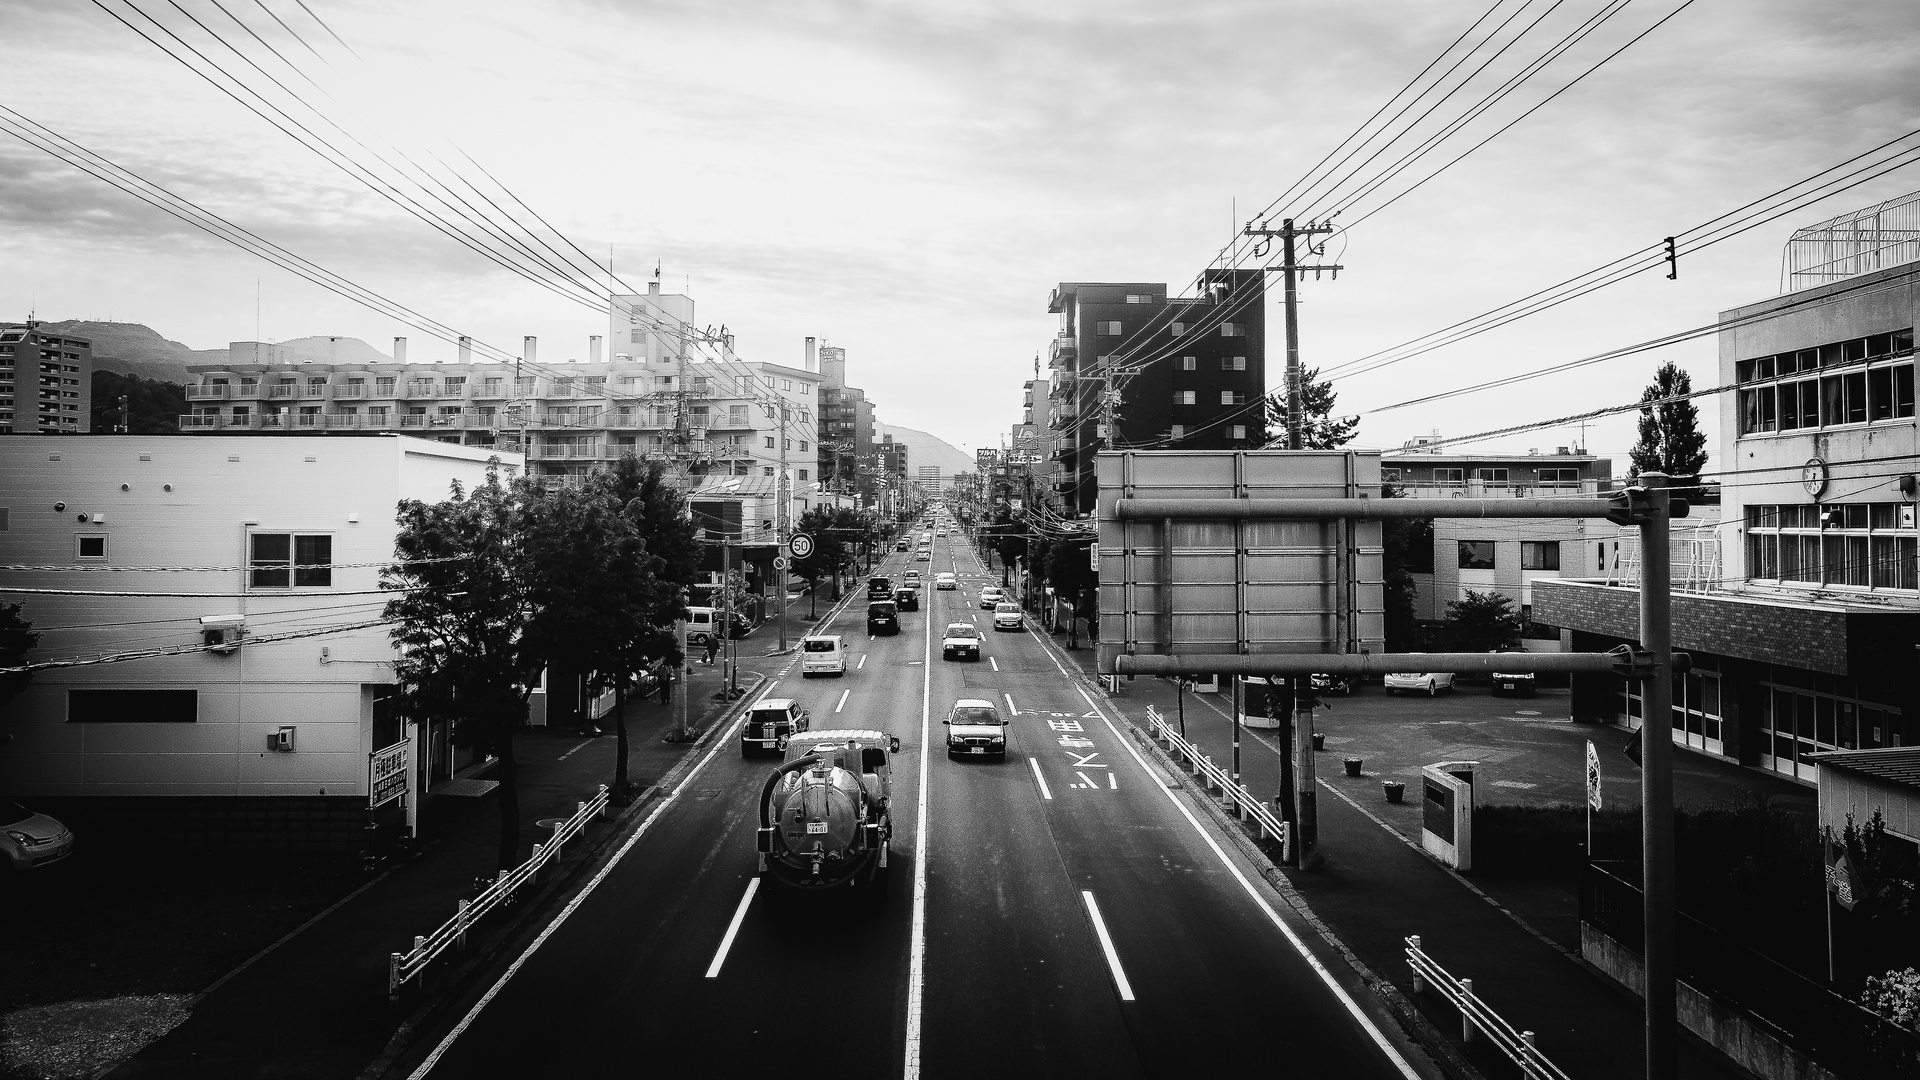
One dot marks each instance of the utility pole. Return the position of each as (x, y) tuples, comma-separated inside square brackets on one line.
[(1290, 266), (780, 521)]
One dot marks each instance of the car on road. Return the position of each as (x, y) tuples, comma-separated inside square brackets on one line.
[(923, 557), (946, 580), (960, 642), (907, 598), (1432, 682), (822, 654), (1332, 684), (939, 532), (879, 588), (990, 596), (883, 617), (901, 545), (1008, 616), (912, 576), (976, 728), (826, 814), (1518, 683), (769, 722), (30, 840)]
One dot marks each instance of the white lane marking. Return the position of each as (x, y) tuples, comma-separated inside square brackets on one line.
[(1011, 708), (1106, 946), (570, 753), (862, 663), (1044, 793), (733, 928), (581, 898), (843, 699), (995, 663), (1113, 782), (917, 947), (1299, 946), (1085, 777)]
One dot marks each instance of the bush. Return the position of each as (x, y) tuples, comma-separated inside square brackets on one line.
[(1895, 996)]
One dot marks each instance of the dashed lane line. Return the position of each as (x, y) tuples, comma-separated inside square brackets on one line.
[(733, 928)]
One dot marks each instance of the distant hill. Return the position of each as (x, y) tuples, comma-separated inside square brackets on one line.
[(924, 449), (137, 349)]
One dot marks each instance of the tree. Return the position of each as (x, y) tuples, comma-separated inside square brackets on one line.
[(1069, 569), (1482, 622), (1671, 441), (829, 552), (465, 656), (17, 639), (1319, 428), (154, 407)]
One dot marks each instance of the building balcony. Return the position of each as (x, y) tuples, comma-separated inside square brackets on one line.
[(1062, 352), (209, 393), (568, 452), (283, 392), (350, 392), (498, 391)]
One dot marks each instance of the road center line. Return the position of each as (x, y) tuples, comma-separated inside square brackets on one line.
[(843, 699), (917, 947), (733, 928), (1299, 946), (862, 663), (1045, 793), (1011, 708), (1106, 946)]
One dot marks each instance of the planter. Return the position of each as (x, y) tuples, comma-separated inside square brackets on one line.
[(1394, 789), (1353, 766), (1319, 741)]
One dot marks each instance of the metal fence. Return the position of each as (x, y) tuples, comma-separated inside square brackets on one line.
[(1799, 1012), (1476, 1018), (1238, 800), (407, 966)]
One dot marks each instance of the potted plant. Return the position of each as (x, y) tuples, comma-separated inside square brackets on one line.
[(1394, 789)]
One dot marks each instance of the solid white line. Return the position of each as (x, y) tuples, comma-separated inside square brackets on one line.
[(739, 916), (1044, 793), (1106, 945), (527, 954), (1113, 782), (843, 699), (1010, 706), (862, 663), (1299, 946), (995, 663), (917, 947)]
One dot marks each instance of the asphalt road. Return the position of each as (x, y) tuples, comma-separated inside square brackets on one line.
[(1060, 913)]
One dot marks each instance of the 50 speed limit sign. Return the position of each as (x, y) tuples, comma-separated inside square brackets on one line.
[(800, 545)]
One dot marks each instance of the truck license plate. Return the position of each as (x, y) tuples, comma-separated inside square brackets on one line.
[(978, 750), (814, 827)]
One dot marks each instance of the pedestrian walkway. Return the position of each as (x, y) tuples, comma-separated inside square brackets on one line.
[(1376, 887)]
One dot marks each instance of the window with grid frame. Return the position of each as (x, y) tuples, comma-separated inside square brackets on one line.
[(1186, 397), (1107, 328), (1856, 545), (1189, 363), (283, 560), (1233, 363), (1233, 397), (1540, 555)]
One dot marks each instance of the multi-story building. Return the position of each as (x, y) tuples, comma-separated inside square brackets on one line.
[(890, 465), (1804, 640), (271, 738), (1134, 368), (846, 429), (46, 381)]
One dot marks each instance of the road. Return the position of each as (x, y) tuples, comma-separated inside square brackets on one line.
[(1060, 913)]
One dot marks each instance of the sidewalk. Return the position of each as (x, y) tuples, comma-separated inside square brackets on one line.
[(1518, 940), (315, 1006)]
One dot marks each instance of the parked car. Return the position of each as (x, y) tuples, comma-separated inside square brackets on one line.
[(822, 654), (907, 598), (1333, 684), (1008, 616), (946, 581), (975, 727), (1519, 683), (960, 642), (29, 840), (1430, 681)]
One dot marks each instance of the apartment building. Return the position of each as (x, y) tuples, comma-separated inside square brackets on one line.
[(846, 428), (46, 381), (1135, 369), (1804, 640)]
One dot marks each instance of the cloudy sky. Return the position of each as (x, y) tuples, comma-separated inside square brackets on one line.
[(911, 179)]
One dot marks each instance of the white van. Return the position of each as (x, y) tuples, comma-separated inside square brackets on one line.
[(702, 624), (822, 654)]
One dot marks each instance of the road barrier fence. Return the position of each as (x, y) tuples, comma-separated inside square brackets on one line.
[(1476, 1018), (1239, 801)]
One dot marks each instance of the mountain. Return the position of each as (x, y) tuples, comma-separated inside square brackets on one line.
[(924, 449), (136, 349)]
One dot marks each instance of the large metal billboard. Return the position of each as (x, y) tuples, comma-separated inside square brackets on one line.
[(1201, 586)]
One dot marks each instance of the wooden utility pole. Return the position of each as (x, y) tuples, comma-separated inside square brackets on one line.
[(1290, 266)]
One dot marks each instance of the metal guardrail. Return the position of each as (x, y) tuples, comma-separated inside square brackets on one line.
[(407, 966), (1477, 1019), (1238, 799)]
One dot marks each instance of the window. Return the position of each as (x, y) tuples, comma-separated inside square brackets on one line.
[(803, 446), (1864, 545), (1491, 476), (1239, 432), (297, 560), (132, 706), (1560, 477), (1476, 554), (1228, 329), (1184, 397), (1177, 329), (91, 547), (1139, 298), (1859, 381), (1540, 555), (786, 384), (769, 441), (382, 386), (1450, 476), (1233, 363), (1189, 363), (1108, 329), (456, 383), (803, 475), (636, 337), (1233, 397), (766, 470)]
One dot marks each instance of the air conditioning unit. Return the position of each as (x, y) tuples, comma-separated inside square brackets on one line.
[(222, 632), (281, 741)]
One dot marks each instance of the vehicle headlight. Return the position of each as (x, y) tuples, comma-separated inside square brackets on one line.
[(999, 740), (30, 841)]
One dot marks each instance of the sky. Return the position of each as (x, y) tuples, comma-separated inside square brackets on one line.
[(911, 180)]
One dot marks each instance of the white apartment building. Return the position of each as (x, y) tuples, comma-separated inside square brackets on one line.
[(276, 743)]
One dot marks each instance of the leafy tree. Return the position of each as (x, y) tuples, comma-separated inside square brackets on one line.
[(1069, 569), (1319, 428), (1670, 437), (1007, 539), (465, 655), (1482, 622), (1896, 997), (154, 407), (829, 553), (17, 639)]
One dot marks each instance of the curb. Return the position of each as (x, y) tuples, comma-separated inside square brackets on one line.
[(456, 977)]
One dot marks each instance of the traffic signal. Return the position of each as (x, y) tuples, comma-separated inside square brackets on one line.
[(1673, 260)]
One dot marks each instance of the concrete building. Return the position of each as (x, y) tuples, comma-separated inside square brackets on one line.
[(1135, 369), (1805, 641), (846, 429), (275, 743), (46, 381)]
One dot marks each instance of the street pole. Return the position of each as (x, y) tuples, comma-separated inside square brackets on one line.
[(780, 524), (1305, 805), (1237, 705), (1290, 268), (1656, 781)]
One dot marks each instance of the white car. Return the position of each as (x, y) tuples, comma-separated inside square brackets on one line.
[(975, 727), (29, 840), (945, 580), (1432, 682), (1008, 616), (960, 642), (912, 577), (990, 596)]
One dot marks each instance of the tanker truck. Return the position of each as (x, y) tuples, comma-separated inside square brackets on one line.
[(826, 813)]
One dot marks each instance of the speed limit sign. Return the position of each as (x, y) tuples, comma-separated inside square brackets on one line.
[(779, 562), (800, 545)]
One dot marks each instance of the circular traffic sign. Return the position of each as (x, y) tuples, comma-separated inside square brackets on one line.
[(800, 544), (779, 562)]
